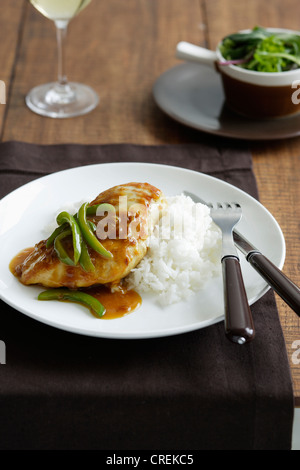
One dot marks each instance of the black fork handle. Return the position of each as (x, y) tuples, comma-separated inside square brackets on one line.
[(283, 286), (239, 327)]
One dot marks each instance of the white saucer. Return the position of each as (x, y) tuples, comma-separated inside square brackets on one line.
[(192, 94)]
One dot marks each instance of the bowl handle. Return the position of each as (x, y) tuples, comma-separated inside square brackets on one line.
[(193, 53)]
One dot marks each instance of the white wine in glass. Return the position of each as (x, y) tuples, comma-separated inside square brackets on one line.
[(61, 99)]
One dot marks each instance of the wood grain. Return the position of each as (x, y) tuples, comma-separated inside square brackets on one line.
[(276, 164), (11, 24), (120, 48)]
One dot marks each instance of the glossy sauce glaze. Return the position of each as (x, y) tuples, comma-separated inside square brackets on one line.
[(117, 301), (18, 260)]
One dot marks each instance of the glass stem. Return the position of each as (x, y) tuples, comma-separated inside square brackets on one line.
[(61, 33)]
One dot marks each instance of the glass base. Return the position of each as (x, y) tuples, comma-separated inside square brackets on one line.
[(62, 101)]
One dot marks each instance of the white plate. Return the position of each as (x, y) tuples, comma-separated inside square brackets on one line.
[(26, 212)]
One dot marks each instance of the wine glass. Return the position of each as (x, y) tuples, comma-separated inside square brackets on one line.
[(61, 99)]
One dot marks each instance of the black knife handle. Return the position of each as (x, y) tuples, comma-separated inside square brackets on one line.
[(281, 284), (239, 326)]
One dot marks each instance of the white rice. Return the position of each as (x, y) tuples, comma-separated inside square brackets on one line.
[(183, 253)]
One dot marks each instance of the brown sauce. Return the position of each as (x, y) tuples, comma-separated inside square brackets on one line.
[(19, 259), (118, 303)]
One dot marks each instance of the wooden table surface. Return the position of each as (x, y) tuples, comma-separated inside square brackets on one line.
[(120, 48)]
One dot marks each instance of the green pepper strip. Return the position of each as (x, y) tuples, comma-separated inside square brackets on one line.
[(56, 232), (92, 210), (65, 217), (88, 234), (60, 250), (85, 259), (92, 226), (74, 296)]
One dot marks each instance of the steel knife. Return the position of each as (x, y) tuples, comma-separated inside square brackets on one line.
[(274, 277)]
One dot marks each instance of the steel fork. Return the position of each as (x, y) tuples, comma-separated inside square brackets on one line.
[(239, 326)]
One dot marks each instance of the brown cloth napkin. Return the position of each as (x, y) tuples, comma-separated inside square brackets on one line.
[(195, 391)]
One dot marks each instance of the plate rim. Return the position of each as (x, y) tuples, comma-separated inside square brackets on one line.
[(150, 334)]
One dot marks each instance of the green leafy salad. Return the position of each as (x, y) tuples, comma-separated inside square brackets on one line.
[(262, 51)]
